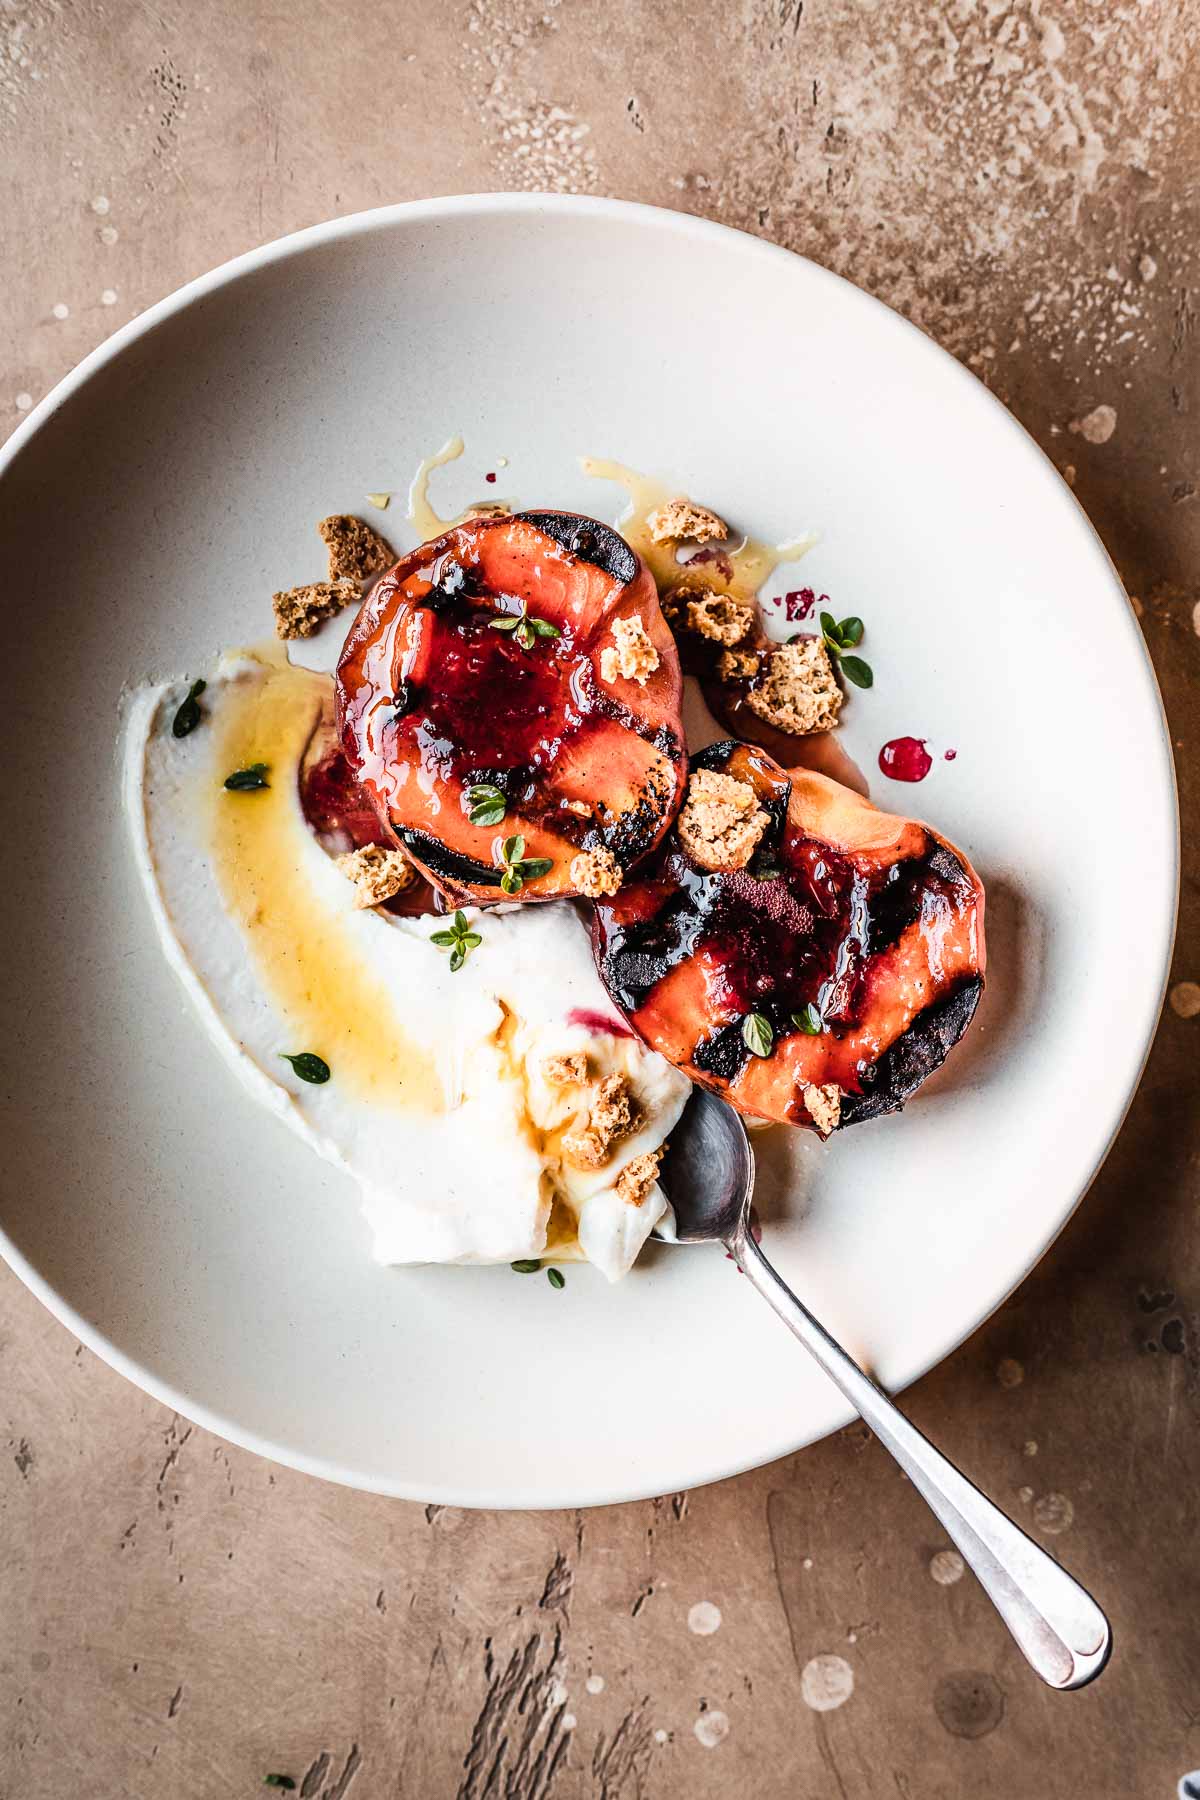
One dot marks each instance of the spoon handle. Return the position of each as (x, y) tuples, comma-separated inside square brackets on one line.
[(1061, 1631)]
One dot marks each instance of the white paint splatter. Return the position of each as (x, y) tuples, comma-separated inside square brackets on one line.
[(807, 1563), (712, 1728), (1147, 267), (558, 1693), (100, 204), (1053, 1513), (1097, 426), (1185, 995), (108, 234), (1009, 1372), (24, 402), (1030, 1447), (704, 1618), (109, 297), (946, 1567), (569, 1721), (660, 1736), (60, 310), (826, 1682), (1025, 1495), (594, 1684)]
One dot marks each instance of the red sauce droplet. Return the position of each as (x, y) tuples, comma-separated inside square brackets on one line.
[(950, 755), (906, 759), (490, 476)]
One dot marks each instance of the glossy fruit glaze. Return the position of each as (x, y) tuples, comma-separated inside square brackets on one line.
[(476, 662), (872, 920)]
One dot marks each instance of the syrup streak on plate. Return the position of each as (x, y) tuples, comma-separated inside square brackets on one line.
[(436, 1102)]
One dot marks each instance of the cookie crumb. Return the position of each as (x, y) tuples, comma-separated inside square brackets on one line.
[(569, 1070), (609, 1119), (722, 618), (799, 691), (682, 521), (631, 653), (737, 665), (721, 822), (596, 873), (377, 874), (824, 1106), (356, 550), (303, 610), (639, 1176)]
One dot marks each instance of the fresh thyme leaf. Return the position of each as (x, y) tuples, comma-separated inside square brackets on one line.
[(513, 849), (487, 804), (757, 1034), (244, 780), (850, 632), (511, 881), (308, 1067), (556, 1278), (282, 1781), (829, 627), (189, 715), (544, 628), (533, 866), (524, 635), (809, 1021), (517, 867), (527, 1265), (858, 671), (508, 624), (459, 939)]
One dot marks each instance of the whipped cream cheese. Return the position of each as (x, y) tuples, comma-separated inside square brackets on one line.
[(436, 1105)]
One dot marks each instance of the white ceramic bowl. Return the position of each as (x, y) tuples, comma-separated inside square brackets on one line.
[(149, 507)]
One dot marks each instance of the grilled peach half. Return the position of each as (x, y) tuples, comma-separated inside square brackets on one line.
[(847, 955), (475, 712)]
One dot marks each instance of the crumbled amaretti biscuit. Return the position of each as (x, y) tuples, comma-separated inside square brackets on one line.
[(824, 1106), (631, 653), (302, 610), (609, 1119), (682, 521), (799, 691), (737, 665), (723, 618), (721, 822), (356, 549), (639, 1176), (569, 1070), (377, 873), (596, 873)]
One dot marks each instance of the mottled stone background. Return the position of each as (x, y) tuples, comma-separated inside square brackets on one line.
[(177, 1617)]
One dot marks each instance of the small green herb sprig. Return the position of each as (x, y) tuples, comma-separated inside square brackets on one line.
[(189, 715), (244, 781), (525, 630), (809, 1021), (527, 1265), (844, 635), (487, 804), (556, 1278), (308, 1066), (459, 939), (519, 868)]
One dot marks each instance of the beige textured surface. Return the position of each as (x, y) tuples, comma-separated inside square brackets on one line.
[(181, 1618)]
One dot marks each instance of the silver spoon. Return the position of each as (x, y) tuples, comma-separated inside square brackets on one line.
[(709, 1177)]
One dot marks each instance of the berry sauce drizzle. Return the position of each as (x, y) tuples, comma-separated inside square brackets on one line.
[(905, 759)]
